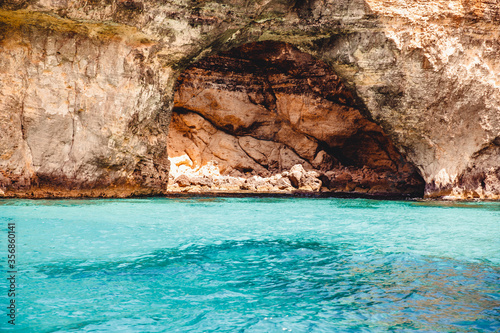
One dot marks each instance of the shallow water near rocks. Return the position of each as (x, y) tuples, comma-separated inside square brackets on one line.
[(253, 265)]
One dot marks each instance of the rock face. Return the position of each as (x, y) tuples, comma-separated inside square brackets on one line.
[(265, 108), (426, 72), (75, 120)]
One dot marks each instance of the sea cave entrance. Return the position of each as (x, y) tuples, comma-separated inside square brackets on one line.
[(268, 117)]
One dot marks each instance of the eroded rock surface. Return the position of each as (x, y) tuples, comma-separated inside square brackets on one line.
[(81, 110), (427, 72), (265, 108)]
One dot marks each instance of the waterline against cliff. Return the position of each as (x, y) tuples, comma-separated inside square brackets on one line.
[(253, 264)]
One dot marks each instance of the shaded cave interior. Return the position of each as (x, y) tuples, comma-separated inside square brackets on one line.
[(261, 108)]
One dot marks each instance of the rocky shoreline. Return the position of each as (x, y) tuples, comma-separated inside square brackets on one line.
[(207, 181), (293, 182)]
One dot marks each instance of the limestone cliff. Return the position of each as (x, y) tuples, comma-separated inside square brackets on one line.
[(87, 86), (80, 109)]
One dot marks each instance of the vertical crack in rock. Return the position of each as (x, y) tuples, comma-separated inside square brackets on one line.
[(29, 158), (288, 109)]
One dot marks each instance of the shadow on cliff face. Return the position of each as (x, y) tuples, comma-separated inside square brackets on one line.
[(262, 108)]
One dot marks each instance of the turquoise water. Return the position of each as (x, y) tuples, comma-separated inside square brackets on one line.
[(252, 265)]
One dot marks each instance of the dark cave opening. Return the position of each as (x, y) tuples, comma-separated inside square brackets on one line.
[(264, 107)]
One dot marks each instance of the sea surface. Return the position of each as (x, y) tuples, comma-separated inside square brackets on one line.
[(251, 265)]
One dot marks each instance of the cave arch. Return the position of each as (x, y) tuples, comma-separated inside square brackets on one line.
[(263, 107)]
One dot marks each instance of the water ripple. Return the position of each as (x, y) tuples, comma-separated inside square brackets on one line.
[(254, 265), (299, 285)]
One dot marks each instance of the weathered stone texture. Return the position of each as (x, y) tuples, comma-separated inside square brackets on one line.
[(265, 108), (76, 110), (428, 72)]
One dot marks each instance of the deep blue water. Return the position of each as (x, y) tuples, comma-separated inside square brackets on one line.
[(252, 265)]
